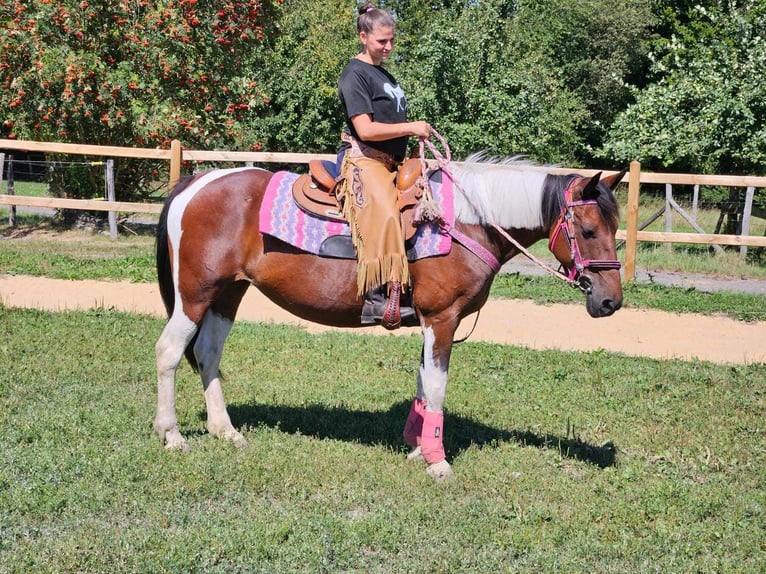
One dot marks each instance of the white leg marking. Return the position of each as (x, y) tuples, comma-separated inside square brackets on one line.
[(208, 350), (169, 351), (180, 329), (432, 381)]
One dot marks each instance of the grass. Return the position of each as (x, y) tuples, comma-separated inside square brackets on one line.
[(548, 290), (566, 462), (30, 188), (48, 252)]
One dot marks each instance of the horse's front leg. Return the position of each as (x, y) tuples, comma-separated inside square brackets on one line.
[(424, 429)]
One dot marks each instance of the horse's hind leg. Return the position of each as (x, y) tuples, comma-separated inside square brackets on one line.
[(208, 349), (169, 351)]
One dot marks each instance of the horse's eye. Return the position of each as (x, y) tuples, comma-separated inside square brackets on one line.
[(588, 233)]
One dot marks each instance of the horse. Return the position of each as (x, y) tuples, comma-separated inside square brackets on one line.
[(210, 250)]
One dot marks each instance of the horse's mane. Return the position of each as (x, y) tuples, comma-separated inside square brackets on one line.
[(507, 191), (514, 192)]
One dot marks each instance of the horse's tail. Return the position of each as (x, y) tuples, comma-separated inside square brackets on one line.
[(164, 269)]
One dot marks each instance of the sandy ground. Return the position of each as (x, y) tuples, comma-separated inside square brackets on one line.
[(567, 327)]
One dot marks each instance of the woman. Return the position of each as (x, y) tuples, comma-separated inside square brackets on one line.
[(375, 143)]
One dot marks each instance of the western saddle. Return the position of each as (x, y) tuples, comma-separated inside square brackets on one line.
[(314, 192)]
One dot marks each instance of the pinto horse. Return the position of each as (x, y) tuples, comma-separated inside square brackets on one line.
[(210, 250)]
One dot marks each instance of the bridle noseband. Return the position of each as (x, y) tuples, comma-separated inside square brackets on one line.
[(565, 228)]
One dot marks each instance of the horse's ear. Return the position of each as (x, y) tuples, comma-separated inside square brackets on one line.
[(613, 180), (590, 190)]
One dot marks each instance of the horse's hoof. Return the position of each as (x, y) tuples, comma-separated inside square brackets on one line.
[(232, 436), (440, 471), (416, 454), (238, 441), (174, 440)]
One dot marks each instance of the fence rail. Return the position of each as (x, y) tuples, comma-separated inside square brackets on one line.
[(176, 155)]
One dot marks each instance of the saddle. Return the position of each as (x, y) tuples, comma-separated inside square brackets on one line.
[(314, 192)]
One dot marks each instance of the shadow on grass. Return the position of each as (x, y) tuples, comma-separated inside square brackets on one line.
[(385, 428)]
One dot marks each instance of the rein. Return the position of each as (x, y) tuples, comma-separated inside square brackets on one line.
[(565, 223)]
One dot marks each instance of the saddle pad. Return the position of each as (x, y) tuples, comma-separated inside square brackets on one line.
[(280, 217)]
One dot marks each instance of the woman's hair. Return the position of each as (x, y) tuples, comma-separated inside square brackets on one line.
[(369, 16)]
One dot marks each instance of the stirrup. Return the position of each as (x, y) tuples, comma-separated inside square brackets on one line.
[(378, 309), (392, 318)]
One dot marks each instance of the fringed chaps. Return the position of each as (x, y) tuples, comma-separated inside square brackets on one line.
[(368, 196)]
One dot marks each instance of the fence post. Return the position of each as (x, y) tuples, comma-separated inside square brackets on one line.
[(11, 191), (668, 214), (746, 214), (175, 163), (2, 171), (111, 196), (631, 231), (695, 201)]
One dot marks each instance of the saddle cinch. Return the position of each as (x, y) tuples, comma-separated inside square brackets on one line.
[(314, 192)]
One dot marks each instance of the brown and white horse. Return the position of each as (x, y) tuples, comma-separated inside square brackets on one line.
[(210, 251)]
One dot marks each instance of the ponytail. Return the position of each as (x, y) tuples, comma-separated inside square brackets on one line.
[(369, 16)]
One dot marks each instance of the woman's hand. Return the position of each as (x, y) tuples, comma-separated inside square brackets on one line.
[(421, 129)]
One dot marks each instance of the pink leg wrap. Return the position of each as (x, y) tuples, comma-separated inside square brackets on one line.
[(431, 443), (413, 428)]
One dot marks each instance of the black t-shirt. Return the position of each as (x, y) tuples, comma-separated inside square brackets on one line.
[(367, 89)]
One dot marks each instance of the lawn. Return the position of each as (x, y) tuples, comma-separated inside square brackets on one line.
[(565, 462)]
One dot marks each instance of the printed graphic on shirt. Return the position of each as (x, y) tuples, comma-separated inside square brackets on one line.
[(396, 93)]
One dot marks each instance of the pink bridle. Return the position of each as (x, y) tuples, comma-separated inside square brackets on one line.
[(566, 223), (565, 228)]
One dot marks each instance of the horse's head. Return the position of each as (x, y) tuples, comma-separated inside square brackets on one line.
[(583, 241)]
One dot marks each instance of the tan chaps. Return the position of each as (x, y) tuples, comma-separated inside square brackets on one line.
[(369, 199)]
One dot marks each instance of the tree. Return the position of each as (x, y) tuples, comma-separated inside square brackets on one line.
[(461, 78), (539, 77), (299, 76), (132, 72), (707, 110)]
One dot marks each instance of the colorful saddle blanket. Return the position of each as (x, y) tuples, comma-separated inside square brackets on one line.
[(281, 217)]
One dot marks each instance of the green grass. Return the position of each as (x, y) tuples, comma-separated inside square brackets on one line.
[(323, 485), (79, 255), (31, 188), (548, 290)]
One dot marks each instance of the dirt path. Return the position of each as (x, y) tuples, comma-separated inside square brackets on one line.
[(567, 327)]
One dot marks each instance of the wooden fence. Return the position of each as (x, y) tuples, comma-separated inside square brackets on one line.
[(632, 234)]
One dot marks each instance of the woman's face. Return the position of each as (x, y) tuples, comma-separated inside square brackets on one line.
[(378, 43)]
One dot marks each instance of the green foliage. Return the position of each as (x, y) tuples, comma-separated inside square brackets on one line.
[(131, 73), (299, 77), (677, 84), (594, 48), (539, 78), (324, 485), (707, 113), (121, 72)]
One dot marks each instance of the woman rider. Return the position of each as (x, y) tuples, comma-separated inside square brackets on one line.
[(375, 143)]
